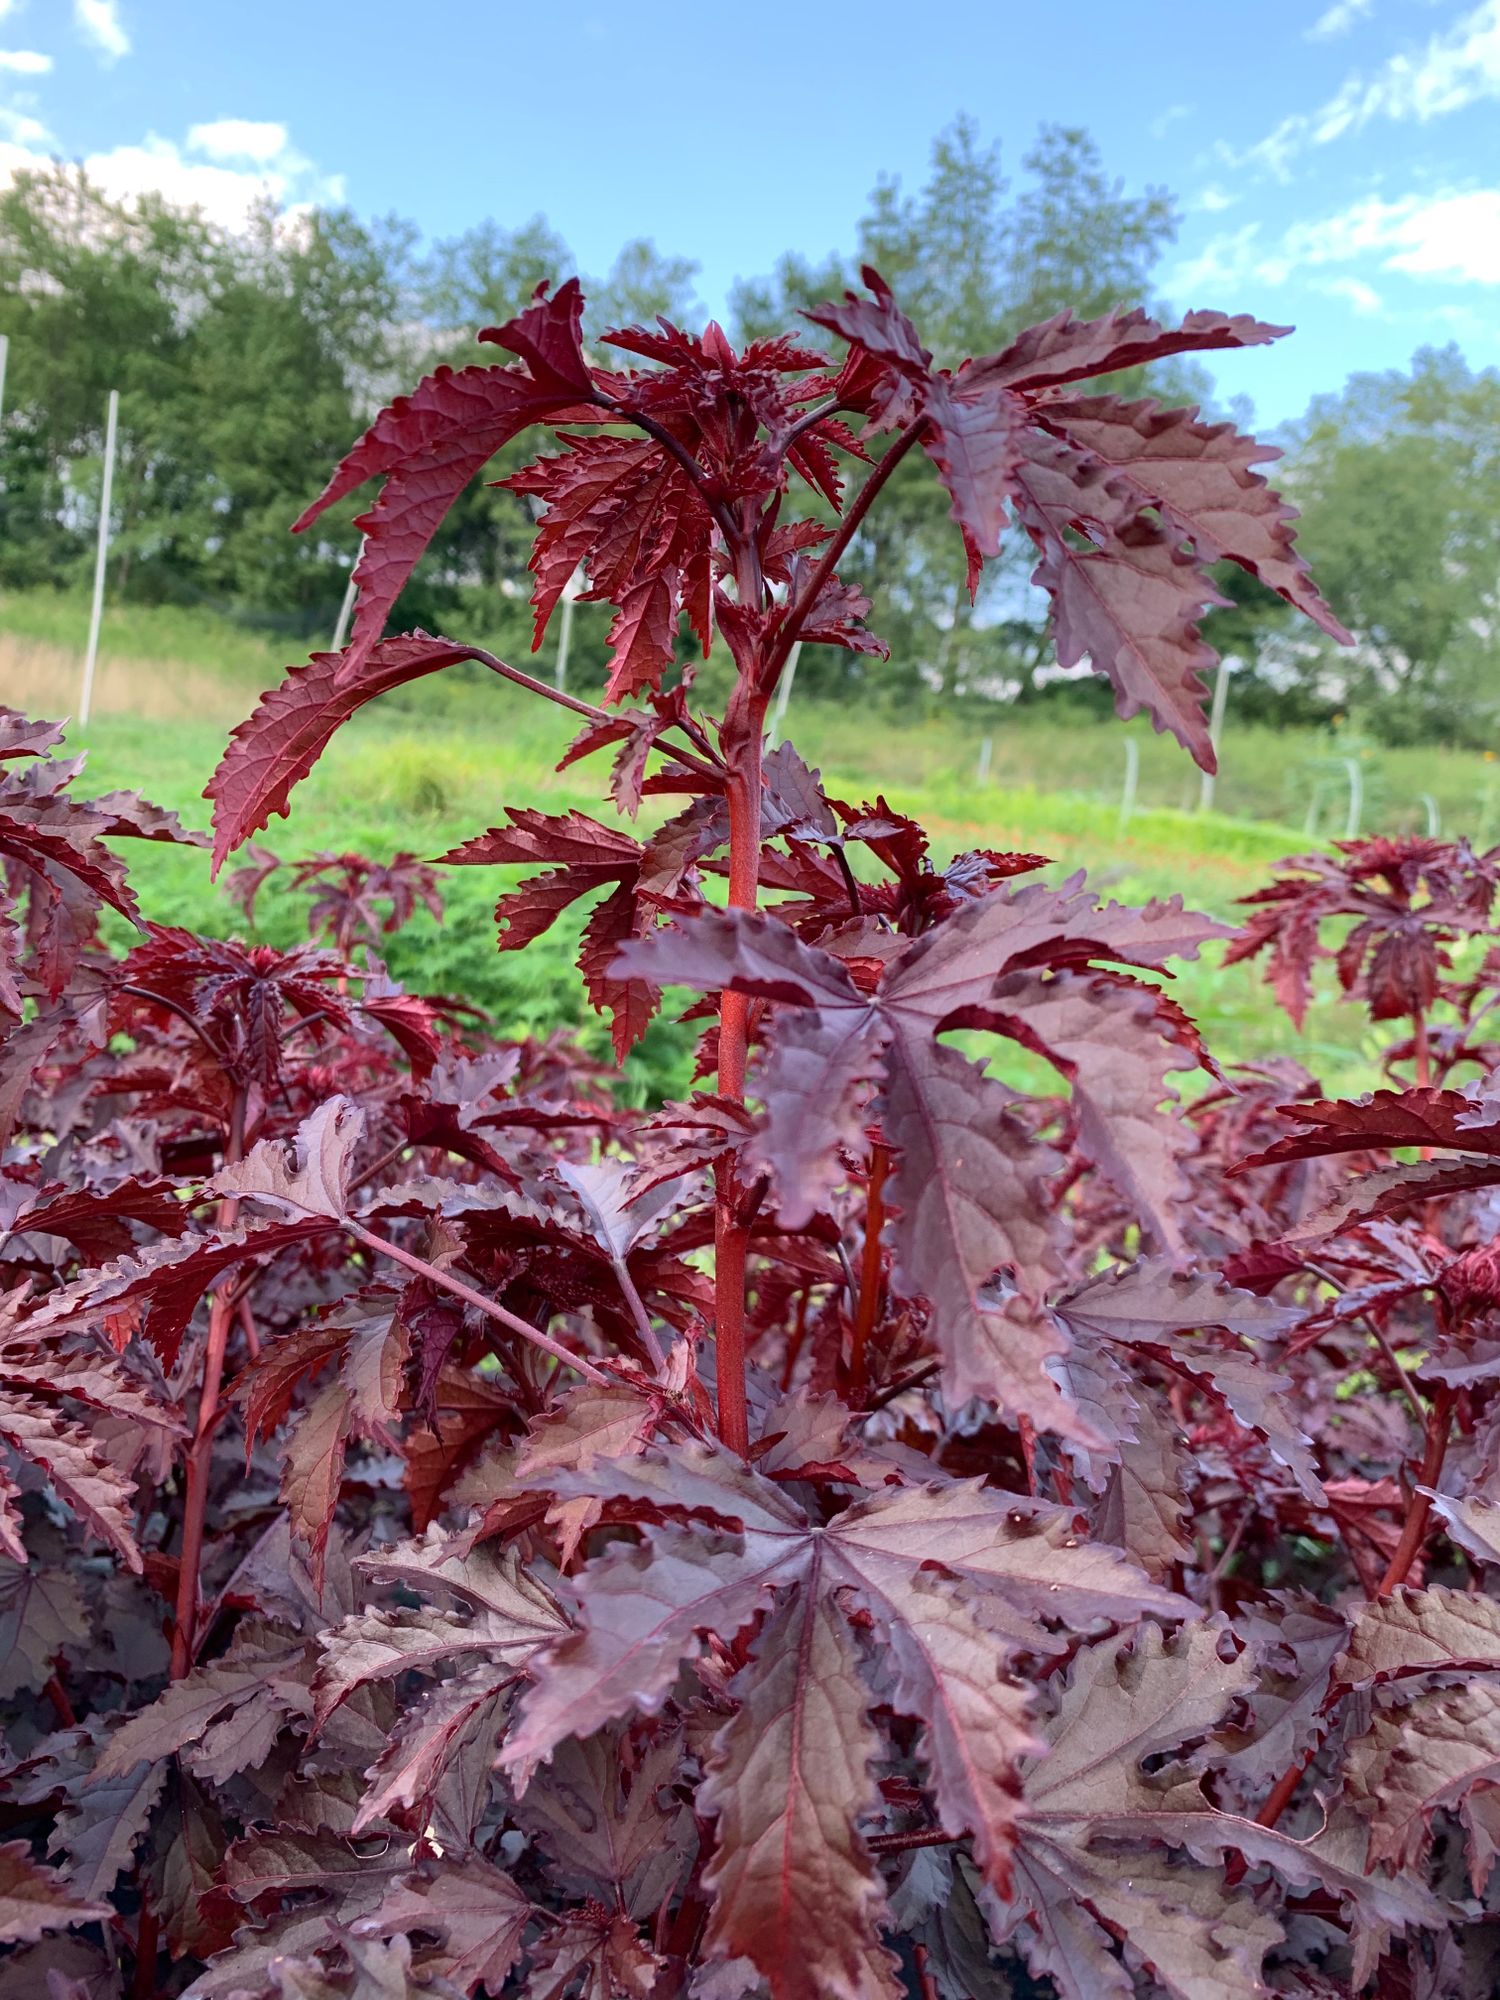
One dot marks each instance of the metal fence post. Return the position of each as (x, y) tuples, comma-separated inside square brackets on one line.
[(101, 558), (1356, 798), (1215, 731), (1132, 776), (783, 694)]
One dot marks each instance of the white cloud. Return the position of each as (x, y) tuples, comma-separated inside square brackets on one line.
[(1453, 235), (98, 21), (1160, 126), (24, 62), (1338, 20), (226, 194), (226, 168), (1457, 68), (1364, 298), (1225, 260), (259, 140), (21, 128), (1214, 200)]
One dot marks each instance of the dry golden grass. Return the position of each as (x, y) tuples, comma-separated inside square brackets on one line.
[(44, 679)]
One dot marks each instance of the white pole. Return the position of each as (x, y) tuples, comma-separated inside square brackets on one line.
[(1132, 774), (346, 609), (564, 641), (1215, 730), (4, 357), (1434, 820), (1356, 798), (783, 694), (96, 615), (986, 748), (346, 612)]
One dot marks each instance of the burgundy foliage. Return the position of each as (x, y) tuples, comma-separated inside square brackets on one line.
[(865, 1530)]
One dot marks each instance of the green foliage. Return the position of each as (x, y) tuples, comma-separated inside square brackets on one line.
[(245, 352), (1398, 479), (437, 761), (264, 353), (974, 259)]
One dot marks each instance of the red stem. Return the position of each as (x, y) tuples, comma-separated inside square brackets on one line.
[(869, 1275), (147, 1932), (200, 1453), (902, 1843), (924, 1974), (1421, 1049), (731, 1235), (62, 1707), (1413, 1535), (794, 1345), (445, 1281), (586, 708), (796, 613)]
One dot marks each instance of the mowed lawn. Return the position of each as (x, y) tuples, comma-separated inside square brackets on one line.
[(439, 761)]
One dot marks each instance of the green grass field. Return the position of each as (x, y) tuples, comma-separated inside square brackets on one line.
[(441, 760)]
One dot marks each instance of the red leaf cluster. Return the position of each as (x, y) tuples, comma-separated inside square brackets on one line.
[(866, 1530)]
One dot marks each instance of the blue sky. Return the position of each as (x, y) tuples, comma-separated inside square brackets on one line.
[(1338, 164)]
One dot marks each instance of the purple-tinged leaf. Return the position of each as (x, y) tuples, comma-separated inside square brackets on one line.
[(1203, 478), (1066, 349), (276, 747), (787, 1779), (35, 1899)]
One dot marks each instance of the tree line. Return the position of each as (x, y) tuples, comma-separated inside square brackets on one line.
[(247, 362)]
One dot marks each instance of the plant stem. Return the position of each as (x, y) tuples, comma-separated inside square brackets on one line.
[(1413, 1534), (221, 1314), (924, 1974), (147, 1931), (869, 1275), (794, 1345), (1439, 1425), (731, 1235), (895, 1390), (1367, 1321), (795, 616), (448, 1283), (584, 708), (902, 1843), (639, 1313), (62, 1706), (1421, 1049)]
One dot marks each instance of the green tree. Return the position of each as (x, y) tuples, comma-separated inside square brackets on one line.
[(974, 260), (89, 306), (1398, 479), (243, 364)]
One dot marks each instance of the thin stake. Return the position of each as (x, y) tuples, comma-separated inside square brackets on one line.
[(1132, 777), (986, 750), (347, 607), (1314, 808), (1356, 798), (564, 640), (783, 694), (1215, 730), (101, 559), (4, 357), (1434, 820)]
